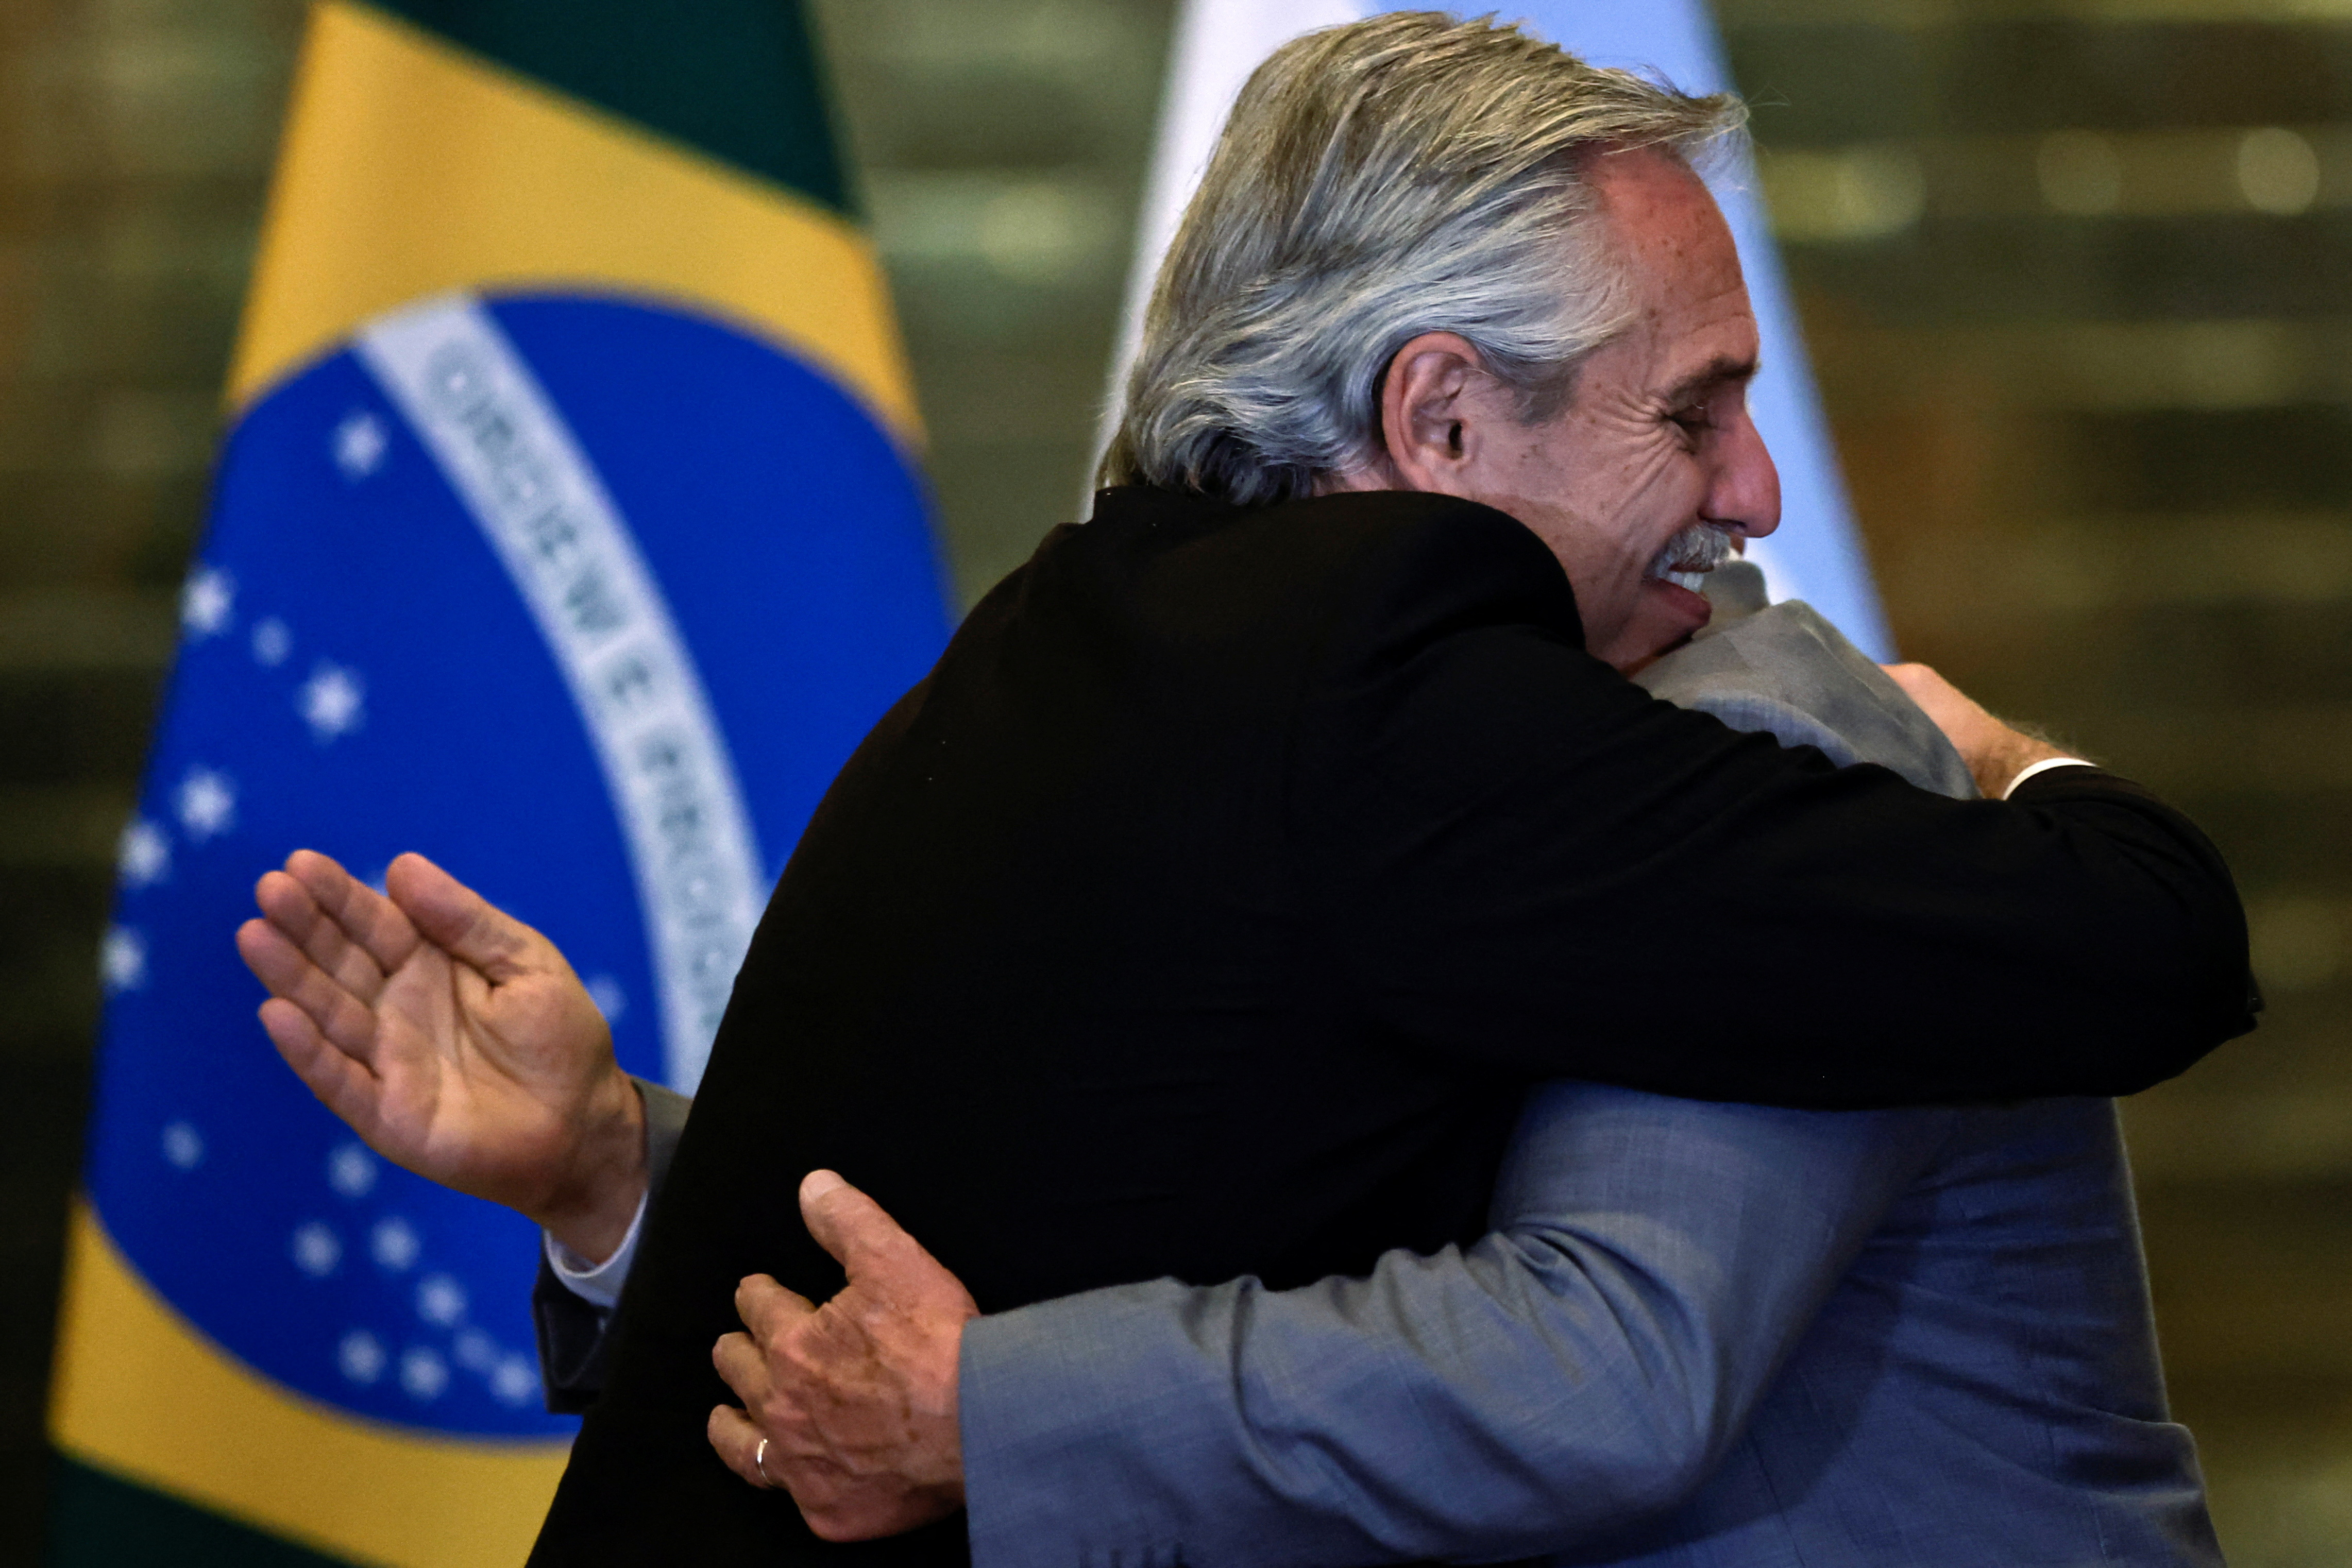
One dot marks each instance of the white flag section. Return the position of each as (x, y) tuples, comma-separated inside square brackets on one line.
[(1816, 555), (1217, 44)]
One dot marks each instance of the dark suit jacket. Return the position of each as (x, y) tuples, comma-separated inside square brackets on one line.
[(1206, 909)]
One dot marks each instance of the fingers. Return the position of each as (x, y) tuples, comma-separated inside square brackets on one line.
[(863, 1239), (289, 973), (1919, 681), (737, 1443), (769, 1311), (848, 1224), (767, 1308), (286, 905), (741, 1361), (1925, 685), (350, 911), (862, 1434), (448, 913), (343, 1085)]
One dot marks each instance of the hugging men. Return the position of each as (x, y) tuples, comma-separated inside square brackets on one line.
[(1177, 960)]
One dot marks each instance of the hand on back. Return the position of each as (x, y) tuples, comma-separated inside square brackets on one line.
[(1995, 752), (454, 1039), (851, 1406)]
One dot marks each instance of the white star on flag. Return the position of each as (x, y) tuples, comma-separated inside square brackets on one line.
[(144, 855), (317, 1249), (441, 1300), (394, 1243), (515, 1381), (272, 641), (122, 959), (360, 443), (423, 1374), (205, 601), (351, 1171), (610, 1000), (184, 1145), (207, 803), (475, 1351), (329, 702), (361, 1355)]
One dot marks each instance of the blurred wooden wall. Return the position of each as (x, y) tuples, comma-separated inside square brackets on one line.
[(2077, 278), (135, 140)]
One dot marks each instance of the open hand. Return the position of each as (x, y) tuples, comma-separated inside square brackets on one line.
[(454, 1039), (856, 1399)]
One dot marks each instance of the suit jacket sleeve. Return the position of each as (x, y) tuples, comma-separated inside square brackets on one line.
[(573, 1347), (1587, 1365), (1521, 857)]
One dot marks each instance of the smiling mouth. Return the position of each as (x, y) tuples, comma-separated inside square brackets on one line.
[(1690, 555)]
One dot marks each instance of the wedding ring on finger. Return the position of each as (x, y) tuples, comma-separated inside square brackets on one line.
[(760, 1464)]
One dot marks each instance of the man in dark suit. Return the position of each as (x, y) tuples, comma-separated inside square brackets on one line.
[(1211, 906)]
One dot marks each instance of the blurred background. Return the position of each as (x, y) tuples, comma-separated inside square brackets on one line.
[(2077, 278)]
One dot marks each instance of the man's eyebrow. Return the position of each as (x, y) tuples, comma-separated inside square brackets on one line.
[(1722, 368)]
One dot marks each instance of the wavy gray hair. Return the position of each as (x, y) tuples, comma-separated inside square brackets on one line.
[(1405, 174)]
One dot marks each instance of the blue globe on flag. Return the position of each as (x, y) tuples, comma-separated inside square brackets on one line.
[(586, 598)]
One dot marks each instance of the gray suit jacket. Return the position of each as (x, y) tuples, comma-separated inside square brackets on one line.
[(1785, 672)]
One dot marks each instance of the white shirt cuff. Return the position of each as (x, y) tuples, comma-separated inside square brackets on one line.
[(2044, 765), (598, 1284)]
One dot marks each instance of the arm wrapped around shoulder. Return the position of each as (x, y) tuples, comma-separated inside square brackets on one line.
[(2179, 929), (1522, 857)]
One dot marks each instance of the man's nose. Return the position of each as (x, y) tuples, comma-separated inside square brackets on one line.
[(1746, 494)]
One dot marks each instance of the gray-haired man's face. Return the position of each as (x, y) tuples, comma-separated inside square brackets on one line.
[(1642, 479)]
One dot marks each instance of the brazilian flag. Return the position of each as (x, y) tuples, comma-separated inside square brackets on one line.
[(567, 530)]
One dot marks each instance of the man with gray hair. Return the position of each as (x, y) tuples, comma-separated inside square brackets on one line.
[(1205, 917)]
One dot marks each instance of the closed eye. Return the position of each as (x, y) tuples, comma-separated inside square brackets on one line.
[(1692, 420)]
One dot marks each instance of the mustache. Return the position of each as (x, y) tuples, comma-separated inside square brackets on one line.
[(1701, 548)]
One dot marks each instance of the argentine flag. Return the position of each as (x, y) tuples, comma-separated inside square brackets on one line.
[(567, 530), (1816, 555)]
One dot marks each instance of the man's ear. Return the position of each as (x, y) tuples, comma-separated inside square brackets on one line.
[(1436, 401)]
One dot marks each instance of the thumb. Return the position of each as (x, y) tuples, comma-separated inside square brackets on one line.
[(862, 1237), (454, 917)]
